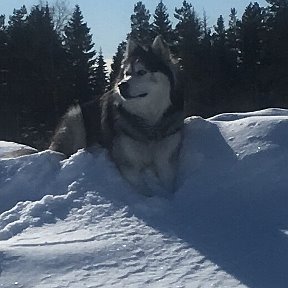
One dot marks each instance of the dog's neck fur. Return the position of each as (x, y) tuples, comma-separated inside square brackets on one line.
[(140, 130)]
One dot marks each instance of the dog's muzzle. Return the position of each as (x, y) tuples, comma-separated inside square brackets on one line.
[(124, 91), (124, 88)]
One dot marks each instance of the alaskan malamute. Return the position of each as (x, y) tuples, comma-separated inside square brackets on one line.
[(140, 121)]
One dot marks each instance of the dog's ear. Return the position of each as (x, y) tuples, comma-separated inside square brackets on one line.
[(131, 46), (160, 48)]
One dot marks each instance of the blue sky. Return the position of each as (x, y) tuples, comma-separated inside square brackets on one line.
[(109, 20)]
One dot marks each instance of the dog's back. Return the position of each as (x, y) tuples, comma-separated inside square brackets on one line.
[(86, 125)]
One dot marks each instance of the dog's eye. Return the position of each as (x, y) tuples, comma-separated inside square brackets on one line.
[(141, 72)]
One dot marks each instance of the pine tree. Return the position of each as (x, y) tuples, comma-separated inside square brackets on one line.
[(220, 32), (225, 66), (278, 33), (206, 31), (233, 21), (101, 78), (277, 5), (17, 31), (188, 33), (18, 17), (188, 48), (78, 45), (116, 65), (18, 39), (34, 50), (3, 40), (233, 32), (276, 52), (251, 26), (251, 52), (161, 24), (2, 21), (16, 61), (220, 48), (141, 30), (45, 62), (206, 45), (4, 56), (205, 69)]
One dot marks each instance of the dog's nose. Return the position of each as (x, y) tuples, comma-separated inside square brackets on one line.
[(123, 87)]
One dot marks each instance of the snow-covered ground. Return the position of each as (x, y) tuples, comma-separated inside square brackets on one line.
[(77, 223)]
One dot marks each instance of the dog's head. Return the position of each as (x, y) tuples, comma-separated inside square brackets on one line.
[(147, 79)]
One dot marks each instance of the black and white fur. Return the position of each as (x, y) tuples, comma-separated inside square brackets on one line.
[(140, 121)]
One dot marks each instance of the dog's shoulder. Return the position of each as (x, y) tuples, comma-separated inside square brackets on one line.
[(85, 125), (99, 117)]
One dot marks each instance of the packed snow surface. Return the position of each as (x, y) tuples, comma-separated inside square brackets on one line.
[(76, 223)]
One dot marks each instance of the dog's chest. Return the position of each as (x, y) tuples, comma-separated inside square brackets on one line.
[(127, 151)]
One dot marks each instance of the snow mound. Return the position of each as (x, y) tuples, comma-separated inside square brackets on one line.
[(19, 149), (76, 223)]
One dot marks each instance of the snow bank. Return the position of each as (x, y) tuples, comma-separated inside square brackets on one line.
[(7, 147), (76, 223), (41, 186)]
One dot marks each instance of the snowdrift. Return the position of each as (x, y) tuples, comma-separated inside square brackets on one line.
[(76, 223)]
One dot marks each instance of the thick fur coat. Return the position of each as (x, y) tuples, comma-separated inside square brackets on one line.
[(139, 121)]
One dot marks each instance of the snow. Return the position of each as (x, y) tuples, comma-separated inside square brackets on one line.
[(76, 223), (7, 147)]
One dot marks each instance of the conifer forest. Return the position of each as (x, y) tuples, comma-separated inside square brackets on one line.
[(48, 62)]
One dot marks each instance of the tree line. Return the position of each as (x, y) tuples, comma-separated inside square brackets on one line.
[(241, 66), (45, 66), (48, 62)]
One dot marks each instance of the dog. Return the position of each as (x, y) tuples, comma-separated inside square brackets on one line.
[(139, 121)]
